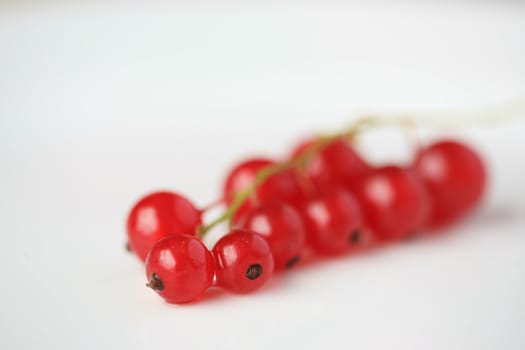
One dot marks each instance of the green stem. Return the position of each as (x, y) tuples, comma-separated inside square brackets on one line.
[(495, 114), (299, 162)]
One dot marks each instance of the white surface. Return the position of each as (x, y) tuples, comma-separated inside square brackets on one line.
[(99, 105)]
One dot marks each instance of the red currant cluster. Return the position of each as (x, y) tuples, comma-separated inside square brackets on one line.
[(325, 200)]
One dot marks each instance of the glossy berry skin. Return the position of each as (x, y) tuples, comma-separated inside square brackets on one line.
[(282, 226), (179, 268), (455, 176), (158, 215), (244, 261), (394, 201), (334, 223), (335, 166), (282, 186)]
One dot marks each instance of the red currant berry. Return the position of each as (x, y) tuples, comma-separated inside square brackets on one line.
[(283, 186), (394, 201), (455, 176), (158, 215), (335, 166), (244, 261), (179, 268), (334, 223), (282, 226)]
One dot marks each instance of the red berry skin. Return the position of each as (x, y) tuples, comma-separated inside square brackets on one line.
[(335, 166), (179, 268), (158, 215), (394, 201), (244, 261), (334, 223), (456, 178), (282, 226), (282, 186)]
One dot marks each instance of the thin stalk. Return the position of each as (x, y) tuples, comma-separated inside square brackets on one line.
[(299, 162)]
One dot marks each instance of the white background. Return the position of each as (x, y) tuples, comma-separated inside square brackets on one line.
[(100, 104)]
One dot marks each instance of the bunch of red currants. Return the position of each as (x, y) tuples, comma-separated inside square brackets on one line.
[(325, 200)]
